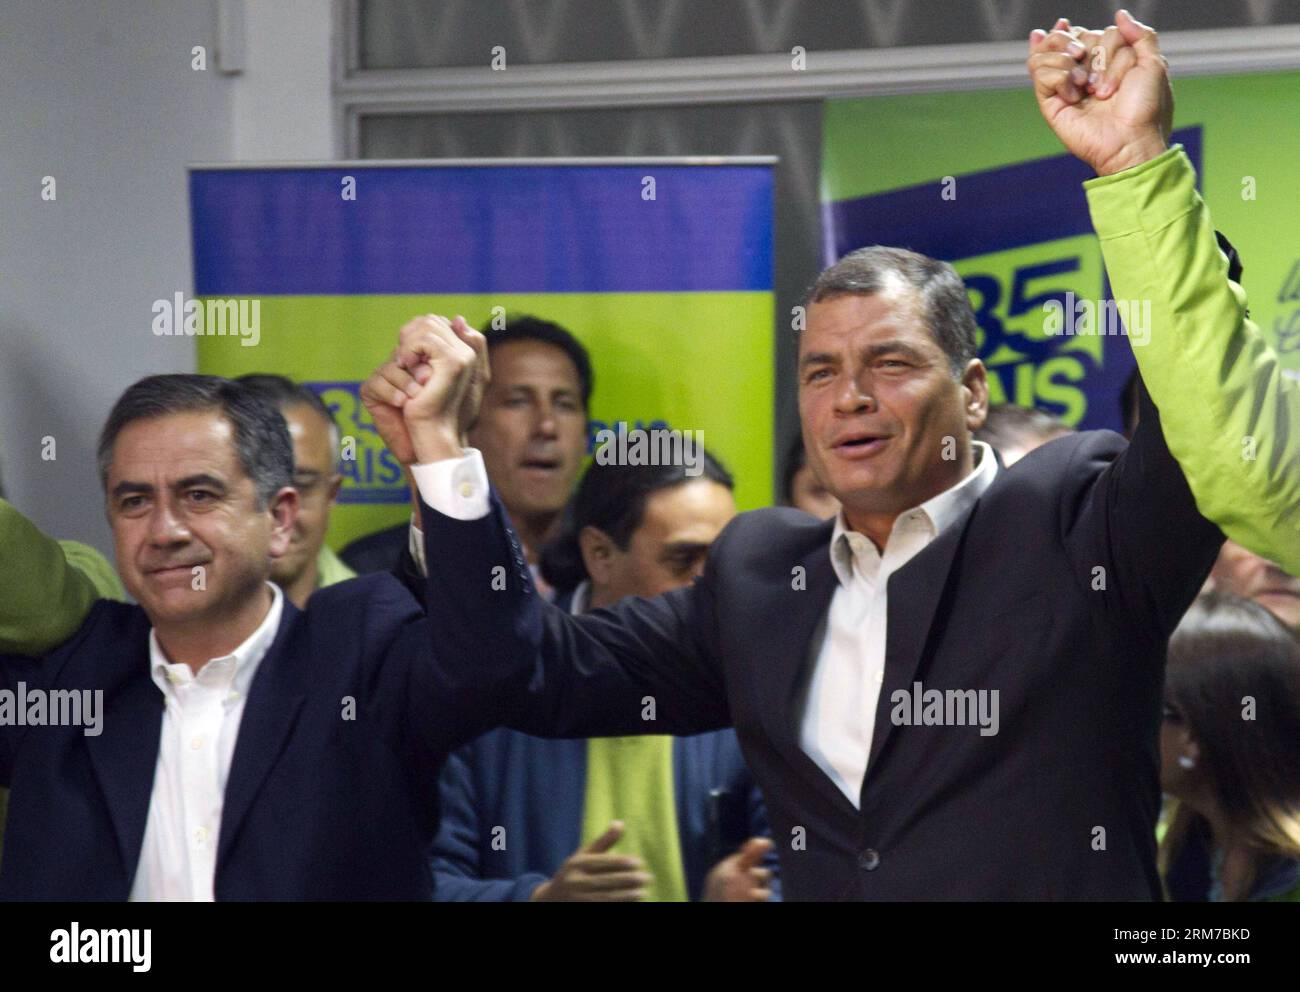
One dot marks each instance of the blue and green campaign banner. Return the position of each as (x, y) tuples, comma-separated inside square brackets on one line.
[(662, 270), (979, 180)]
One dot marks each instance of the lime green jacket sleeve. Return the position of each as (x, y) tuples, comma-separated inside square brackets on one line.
[(330, 568), (1229, 415), (45, 590)]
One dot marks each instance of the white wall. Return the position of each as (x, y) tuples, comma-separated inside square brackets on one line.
[(103, 98), (282, 107)]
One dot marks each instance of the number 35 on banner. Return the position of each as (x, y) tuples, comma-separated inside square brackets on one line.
[(1042, 328)]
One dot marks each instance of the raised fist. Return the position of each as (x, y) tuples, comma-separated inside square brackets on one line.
[(1105, 94), (427, 395)]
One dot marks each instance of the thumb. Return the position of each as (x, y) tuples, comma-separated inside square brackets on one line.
[(606, 840), (467, 334), (476, 340), (752, 853), (1137, 34)]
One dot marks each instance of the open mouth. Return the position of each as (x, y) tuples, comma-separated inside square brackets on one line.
[(540, 465), (862, 445)]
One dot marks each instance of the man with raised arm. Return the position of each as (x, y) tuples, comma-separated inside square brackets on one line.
[(953, 689), (1237, 429)]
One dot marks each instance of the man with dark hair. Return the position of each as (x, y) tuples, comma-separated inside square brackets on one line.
[(199, 433), (909, 681), (206, 776), (308, 564), (523, 327), (532, 430), (612, 819), (1014, 431), (532, 427), (935, 292)]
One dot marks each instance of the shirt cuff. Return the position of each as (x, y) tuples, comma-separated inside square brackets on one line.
[(415, 543), (455, 487)]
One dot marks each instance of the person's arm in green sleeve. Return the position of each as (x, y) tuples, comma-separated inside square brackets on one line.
[(1230, 417), (45, 591)]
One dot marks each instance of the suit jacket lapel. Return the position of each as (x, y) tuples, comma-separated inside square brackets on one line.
[(915, 592), (274, 699), (124, 755), (789, 648)]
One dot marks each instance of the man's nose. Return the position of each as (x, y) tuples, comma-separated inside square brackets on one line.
[(1252, 570), (167, 525), (546, 424), (854, 395)]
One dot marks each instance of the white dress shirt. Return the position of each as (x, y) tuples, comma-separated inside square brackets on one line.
[(848, 652), (178, 860)]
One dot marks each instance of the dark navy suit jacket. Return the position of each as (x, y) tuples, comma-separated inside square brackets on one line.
[(316, 806), (1058, 590)]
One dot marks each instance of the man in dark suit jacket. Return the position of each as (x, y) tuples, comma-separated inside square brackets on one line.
[(952, 691), (244, 749)]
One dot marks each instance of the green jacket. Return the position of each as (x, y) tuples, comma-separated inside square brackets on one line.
[(330, 568), (1229, 416), (46, 586)]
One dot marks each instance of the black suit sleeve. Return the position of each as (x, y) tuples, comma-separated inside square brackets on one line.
[(8, 744), (407, 572), (1140, 546), (15, 669), (642, 666)]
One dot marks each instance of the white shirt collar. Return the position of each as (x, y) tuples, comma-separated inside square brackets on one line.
[(581, 596), (931, 517), (232, 671)]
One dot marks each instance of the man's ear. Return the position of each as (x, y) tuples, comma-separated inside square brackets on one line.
[(975, 391), (336, 483), (598, 550), (283, 509)]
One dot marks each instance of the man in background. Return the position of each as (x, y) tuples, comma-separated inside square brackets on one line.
[(531, 428), (801, 488), (1243, 573), (1014, 431), (308, 564), (617, 819)]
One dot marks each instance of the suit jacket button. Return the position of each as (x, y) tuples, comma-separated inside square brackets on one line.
[(869, 859)]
